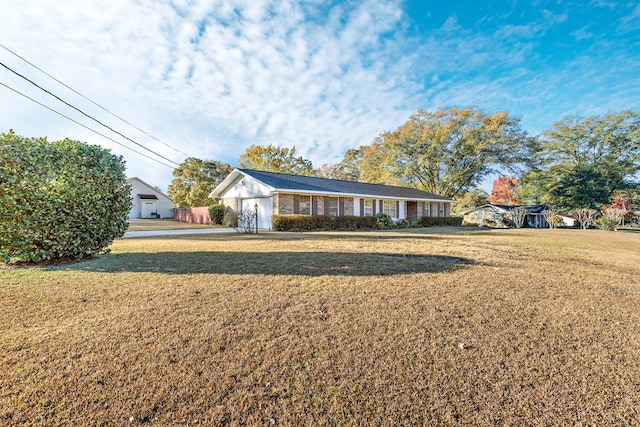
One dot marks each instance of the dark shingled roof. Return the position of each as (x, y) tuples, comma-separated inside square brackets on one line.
[(532, 209), (283, 181)]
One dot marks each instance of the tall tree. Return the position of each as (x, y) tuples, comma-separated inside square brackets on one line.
[(505, 191), (609, 144), (581, 187), (603, 149), (193, 181), (275, 159), (347, 169), (449, 151), (377, 164), (471, 199)]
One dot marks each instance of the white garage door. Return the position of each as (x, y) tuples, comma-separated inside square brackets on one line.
[(147, 208), (265, 210)]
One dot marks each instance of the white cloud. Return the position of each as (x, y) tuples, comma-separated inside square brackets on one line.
[(215, 76)]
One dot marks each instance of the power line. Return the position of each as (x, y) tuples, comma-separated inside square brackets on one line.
[(86, 115), (93, 102), (84, 126)]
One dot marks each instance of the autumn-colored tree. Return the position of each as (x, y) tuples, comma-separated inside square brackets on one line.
[(367, 163), (505, 191), (377, 165), (623, 204), (620, 202), (449, 151), (275, 159), (347, 169)]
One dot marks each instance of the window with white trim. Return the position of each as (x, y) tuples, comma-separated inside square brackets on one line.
[(389, 207), (368, 207), (333, 206)]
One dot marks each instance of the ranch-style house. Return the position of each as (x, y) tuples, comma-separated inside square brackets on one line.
[(284, 194)]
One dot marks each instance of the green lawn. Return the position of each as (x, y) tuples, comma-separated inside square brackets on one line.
[(413, 327)]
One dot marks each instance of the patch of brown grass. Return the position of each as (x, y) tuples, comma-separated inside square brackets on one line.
[(436, 326)]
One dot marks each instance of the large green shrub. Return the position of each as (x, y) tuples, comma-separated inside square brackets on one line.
[(604, 223), (62, 199), (384, 221), (216, 213)]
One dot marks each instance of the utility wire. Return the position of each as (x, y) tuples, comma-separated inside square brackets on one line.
[(93, 102), (87, 115), (84, 126)]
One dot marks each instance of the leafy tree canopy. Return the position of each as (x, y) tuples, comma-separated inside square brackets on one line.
[(62, 199), (194, 180), (471, 199), (347, 169), (598, 149), (609, 144), (505, 191), (449, 151), (275, 159), (581, 187)]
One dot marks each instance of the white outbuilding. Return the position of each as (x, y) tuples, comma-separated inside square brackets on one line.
[(147, 202)]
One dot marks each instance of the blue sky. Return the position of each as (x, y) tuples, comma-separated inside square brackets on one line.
[(210, 78)]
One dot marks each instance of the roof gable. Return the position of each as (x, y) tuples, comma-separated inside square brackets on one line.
[(298, 183), (146, 188), (531, 209)]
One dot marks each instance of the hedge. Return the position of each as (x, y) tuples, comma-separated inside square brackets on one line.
[(354, 222), (430, 221), (321, 222)]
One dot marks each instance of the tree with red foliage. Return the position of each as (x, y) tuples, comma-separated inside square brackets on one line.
[(620, 202), (623, 204), (505, 191)]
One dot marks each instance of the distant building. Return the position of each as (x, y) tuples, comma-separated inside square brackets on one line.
[(147, 202), (492, 215)]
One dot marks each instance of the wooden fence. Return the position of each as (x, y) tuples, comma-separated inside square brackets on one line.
[(193, 215)]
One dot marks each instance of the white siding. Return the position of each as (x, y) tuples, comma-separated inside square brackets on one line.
[(245, 187), (141, 208), (265, 209), (356, 206)]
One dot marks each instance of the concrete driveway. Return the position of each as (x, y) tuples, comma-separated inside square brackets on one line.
[(181, 232)]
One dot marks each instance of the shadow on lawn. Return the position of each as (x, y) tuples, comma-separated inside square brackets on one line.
[(273, 263)]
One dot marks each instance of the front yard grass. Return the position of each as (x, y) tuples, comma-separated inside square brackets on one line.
[(413, 327)]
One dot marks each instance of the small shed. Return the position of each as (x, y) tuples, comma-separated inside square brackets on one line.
[(147, 202)]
